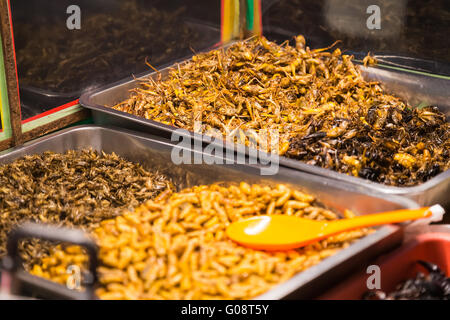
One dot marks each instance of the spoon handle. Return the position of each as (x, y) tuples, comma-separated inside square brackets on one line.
[(375, 219)]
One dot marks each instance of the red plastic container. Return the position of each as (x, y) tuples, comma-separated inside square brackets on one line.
[(398, 266)]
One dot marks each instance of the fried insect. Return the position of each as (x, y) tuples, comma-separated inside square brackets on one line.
[(317, 102), (432, 286), (78, 188), (385, 142), (306, 16), (176, 248)]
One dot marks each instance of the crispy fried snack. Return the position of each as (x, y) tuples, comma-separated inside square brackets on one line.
[(176, 248)]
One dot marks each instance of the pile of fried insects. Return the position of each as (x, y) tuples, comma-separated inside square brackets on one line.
[(432, 286), (175, 247), (74, 189), (317, 102)]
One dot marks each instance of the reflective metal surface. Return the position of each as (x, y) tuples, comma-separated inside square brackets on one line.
[(414, 88), (155, 154)]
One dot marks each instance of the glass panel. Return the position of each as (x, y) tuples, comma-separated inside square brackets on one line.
[(409, 33), (64, 47)]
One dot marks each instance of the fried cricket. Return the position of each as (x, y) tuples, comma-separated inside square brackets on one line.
[(316, 101)]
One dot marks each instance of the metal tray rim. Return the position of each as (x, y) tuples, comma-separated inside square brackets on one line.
[(165, 142)]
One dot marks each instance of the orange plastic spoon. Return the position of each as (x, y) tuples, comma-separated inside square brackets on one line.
[(282, 232)]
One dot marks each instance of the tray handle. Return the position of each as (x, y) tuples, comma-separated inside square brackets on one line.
[(22, 280)]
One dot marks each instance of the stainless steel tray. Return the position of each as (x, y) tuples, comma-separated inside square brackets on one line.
[(47, 99), (155, 154), (414, 88)]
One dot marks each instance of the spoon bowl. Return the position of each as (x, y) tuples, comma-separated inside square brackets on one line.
[(282, 232)]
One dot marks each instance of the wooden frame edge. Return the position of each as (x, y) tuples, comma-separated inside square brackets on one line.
[(9, 62), (55, 125)]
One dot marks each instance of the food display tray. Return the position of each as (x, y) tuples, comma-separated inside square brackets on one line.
[(415, 88), (154, 153), (399, 265)]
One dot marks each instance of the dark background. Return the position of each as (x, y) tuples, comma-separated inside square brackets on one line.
[(56, 64)]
